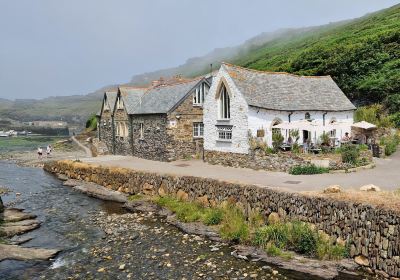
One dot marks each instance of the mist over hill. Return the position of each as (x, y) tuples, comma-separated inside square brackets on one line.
[(362, 55)]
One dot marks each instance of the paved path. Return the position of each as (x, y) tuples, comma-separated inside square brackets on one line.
[(386, 174), (83, 147)]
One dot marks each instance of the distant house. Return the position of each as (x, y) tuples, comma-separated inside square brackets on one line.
[(105, 128), (163, 122), (245, 103)]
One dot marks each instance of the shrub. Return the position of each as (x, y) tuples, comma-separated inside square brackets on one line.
[(395, 119), (296, 148), (91, 123), (234, 226), (213, 216), (390, 143), (349, 153), (299, 237), (308, 169), (392, 103), (325, 139), (295, 135), (277, 140), (373, 114)]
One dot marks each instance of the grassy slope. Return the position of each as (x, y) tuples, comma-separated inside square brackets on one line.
[(363, 55)]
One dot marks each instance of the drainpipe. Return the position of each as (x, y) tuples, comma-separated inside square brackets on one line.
[(289, 116), (113, 134), (323, 117)]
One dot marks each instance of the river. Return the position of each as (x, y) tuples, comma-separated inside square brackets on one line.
[(138, 246)]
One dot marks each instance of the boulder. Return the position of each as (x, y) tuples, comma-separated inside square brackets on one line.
[(273, 218), (203, 200), (333, 189), (13, 252), (370, 188), (162, 190), (182, 195), (361, 260), (148, 189), (101, 192)]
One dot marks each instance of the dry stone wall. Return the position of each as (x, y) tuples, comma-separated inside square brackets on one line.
[(255, 160), (373, 234)]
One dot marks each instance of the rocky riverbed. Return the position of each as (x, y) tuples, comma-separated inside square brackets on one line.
[(101, 240)]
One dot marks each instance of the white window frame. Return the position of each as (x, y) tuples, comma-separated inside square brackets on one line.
[(141, 131), (224, 133), (200, 94), (120, 104), (198, 130), (224, 104)]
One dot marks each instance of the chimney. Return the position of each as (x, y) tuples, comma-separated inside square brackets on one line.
[(158, 82)]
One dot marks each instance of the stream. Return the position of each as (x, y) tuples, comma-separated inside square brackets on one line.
[(100, 240)]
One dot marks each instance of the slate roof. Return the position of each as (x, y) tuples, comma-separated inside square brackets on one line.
[(111, 97), (161, 99), (131, 98), (288, 92)]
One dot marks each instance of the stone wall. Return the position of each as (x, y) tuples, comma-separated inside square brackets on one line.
[(106, 130), (182, 143), (155, 138), (123, 145), (373, 234), (256, 159)]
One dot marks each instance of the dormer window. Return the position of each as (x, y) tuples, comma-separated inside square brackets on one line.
[(224, 104), (120, 104), (105, 106), (307, 116), (199, 94)]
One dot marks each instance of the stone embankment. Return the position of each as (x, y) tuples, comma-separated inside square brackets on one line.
[(373, 234)]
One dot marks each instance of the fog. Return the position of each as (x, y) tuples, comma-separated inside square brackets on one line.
[(51, 48)]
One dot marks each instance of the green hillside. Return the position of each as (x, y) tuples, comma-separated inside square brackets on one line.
[(362, 55)]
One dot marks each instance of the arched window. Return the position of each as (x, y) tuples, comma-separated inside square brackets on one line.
[(276, 122), (307, 116), (224, 104)]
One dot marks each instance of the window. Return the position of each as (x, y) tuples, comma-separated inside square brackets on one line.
[(307, 116), (332, 133), (117, 128), (224, 104), (199, 94), (105, 106), (141, 130), (120, 104), (198, 129), (224, 133)]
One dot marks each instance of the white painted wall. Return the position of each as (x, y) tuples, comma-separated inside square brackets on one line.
[(239, 117), (264, 119)]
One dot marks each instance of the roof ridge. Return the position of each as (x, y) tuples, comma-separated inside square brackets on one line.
[(177, 83), (273, 72)]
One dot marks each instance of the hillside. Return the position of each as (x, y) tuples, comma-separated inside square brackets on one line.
[(362, 56)]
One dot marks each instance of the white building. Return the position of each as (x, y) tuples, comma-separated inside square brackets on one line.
[(243, 101)]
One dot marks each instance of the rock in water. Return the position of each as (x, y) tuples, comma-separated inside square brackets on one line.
[(13, 252)]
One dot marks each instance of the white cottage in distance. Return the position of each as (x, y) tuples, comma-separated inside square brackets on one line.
[(243, 101)]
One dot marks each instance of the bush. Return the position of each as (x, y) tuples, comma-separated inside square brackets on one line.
[(308, 169), (277, 140), (373, 114), (325, 139), (390, 143), (395, 119), (392, 103), (91, 123), (234, 226), (213, 216), (299, 237), (349, 153)]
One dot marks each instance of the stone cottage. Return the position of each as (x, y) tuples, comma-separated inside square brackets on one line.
[(163, 122), (105, 127), (244, 103), (168, 123)]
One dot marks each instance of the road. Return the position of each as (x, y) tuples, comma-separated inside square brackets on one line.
[(386, 174)]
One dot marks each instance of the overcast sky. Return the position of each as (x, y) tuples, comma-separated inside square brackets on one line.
[(57, 47)]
